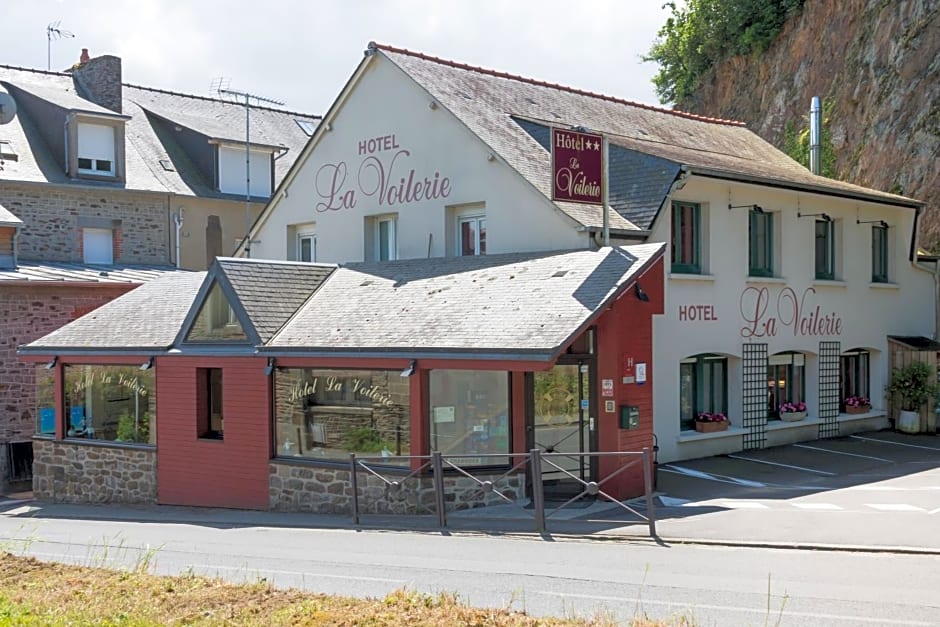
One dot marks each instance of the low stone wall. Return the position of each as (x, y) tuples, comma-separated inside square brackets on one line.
[(305, 488), (86, 472)]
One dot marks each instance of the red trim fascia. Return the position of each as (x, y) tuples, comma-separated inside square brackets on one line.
[(531, 81)]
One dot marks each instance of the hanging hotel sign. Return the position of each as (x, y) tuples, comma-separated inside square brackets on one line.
[(789, 311), (577, 166)]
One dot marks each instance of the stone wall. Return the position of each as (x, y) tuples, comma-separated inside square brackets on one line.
[(83, 472), (307, 488), (51, 230)]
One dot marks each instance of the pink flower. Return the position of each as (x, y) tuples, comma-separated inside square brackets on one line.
[(857, 401), (707, 416), (791, 408)]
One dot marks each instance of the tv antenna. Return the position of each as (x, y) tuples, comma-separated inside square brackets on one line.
[(54, 32), (246, 99)]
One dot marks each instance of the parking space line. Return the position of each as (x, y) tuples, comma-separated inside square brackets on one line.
[(928, 448), (817, 506), (894, 507), (825, 450), (761, 461), (698, 474), (934, 511)]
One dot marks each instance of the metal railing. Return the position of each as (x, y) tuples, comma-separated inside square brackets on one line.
[(485, 482)]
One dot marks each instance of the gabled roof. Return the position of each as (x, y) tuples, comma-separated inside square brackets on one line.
[(147, 144), (145, 319), (491, 103), (484, 306), (270, 292)]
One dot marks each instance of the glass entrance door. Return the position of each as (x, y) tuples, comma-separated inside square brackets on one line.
[(562, 422)]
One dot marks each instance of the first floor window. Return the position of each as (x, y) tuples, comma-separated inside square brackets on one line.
[(470, 415), (97, 246), (327, 414), (761, 243), (306, 247), (209, 395), (786, 381), (879, 254), (686, 238), (703, 387), (471, 235), (854, 379), (114, 403), (825, 249)]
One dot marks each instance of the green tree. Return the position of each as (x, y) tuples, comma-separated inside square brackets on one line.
[(700, 33)]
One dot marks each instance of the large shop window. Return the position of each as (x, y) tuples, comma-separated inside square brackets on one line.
[(703, 387), (879, 254), (470, 415), (760, 243), (328, 414), (853, 372), (686, 238), (114, 403), (825, 247), (786, 381), (45, 400)]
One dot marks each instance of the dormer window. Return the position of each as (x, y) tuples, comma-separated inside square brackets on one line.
[(96, 149), (233, 174)]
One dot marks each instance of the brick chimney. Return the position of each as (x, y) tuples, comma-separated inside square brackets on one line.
[(99, 80)]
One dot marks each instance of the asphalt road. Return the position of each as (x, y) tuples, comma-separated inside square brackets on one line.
[(715, 585)]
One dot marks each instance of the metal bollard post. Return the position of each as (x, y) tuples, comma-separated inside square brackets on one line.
[(538, 494), (354, 484), (648, 490), (438, 465)]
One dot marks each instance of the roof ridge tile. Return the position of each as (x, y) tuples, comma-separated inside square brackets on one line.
[(373, 46)]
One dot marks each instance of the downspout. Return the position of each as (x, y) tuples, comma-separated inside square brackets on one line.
[(65, 130), (178, 221)]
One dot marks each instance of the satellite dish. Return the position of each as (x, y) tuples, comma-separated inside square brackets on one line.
[(7, 107)]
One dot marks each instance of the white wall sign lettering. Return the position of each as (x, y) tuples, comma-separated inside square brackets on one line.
[(765, 315), (383, 175)]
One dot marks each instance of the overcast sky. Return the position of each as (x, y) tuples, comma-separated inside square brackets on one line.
[(303, 51)]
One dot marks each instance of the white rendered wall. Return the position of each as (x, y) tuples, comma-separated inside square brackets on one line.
[(386, 128), (866, 312)]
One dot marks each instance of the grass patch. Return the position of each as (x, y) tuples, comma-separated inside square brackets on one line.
[(38, 593)]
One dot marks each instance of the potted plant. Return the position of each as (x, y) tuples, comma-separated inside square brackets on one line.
[(793, 412), (709, 422), (914, 385), (857, 405)]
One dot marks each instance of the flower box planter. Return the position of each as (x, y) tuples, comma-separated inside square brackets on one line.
[(711, 427), (792, 416), (857, 409)]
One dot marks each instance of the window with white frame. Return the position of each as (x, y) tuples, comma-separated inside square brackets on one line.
[(306, 246), (97, 246), (471, 235), (233, 172), (96, 149)]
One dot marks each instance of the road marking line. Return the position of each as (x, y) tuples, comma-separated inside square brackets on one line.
[(698, 474), (894, 507), (733, 608), (735, 504), (890, 488), (761, 461), (819, 506), (928, 448), (825, 450), (934, 511)]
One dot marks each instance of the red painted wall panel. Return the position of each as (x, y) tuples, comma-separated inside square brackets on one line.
[(232, 472)]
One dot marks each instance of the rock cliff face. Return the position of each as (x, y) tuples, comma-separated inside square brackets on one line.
[(878, 61)]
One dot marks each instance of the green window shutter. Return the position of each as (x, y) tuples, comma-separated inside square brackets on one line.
[(686, 234), (879, 254), (824, 250)]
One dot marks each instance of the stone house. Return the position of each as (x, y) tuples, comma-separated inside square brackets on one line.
[(105, 185)]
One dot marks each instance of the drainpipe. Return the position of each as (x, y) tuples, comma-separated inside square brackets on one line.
[(65, 130), (178, 221), (815, 124)]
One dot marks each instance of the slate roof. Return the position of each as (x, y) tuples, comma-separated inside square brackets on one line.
[(8, 218), (146, 318), (45, 272), (492, 103), (510, 304), (146, 143), (271, 292)]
